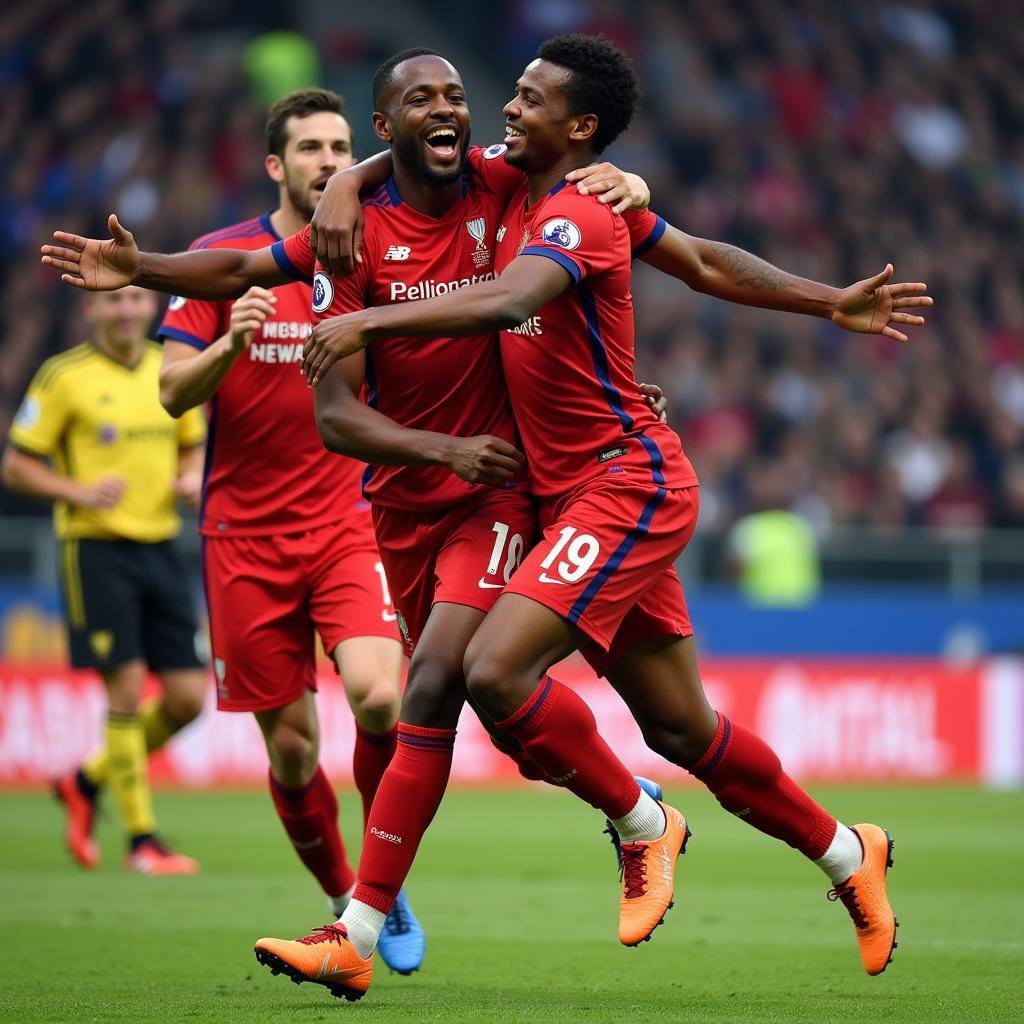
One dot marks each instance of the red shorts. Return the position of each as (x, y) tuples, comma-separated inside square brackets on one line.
[(462, 555), (606, 562), (267, 594)]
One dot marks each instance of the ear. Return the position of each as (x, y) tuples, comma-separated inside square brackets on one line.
[(381, 126), (584, 128), (275, 167)]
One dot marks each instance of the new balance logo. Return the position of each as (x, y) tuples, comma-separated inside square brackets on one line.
[(389, 836), (397, 253)]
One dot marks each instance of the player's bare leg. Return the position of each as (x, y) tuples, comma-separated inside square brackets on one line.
[(659, 681), (513, 649), (303, 797), (371, 672)]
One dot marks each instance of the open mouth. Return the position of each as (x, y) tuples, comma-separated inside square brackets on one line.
[(513, 134), (320, 185), (443, 140)]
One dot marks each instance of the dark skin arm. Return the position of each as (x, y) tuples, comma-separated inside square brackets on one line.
[(527, 284), (870, 306), (100, 265), (350, 427), (336, 231)]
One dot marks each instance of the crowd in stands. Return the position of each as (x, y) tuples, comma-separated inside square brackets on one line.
[(826, 138)]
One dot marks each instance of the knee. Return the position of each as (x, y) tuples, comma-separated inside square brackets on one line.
[(184, 704), (676, 742), (434, 693), (293, 754), (375, 704), (493, 682)]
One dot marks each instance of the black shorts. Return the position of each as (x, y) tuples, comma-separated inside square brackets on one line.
[(124, 600)]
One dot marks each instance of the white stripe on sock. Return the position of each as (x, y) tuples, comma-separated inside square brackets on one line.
[(364, 925)]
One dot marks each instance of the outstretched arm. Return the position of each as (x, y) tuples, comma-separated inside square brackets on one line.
[(526, 284), (349, 427), (100, 265), (871, 306)]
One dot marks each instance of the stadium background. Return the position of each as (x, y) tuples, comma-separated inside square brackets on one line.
[(887, 653), (826, 141)]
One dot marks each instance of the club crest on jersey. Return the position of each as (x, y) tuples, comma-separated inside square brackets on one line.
[(477, 229), (397, 253), (177, 301), (323, 292), (28, 414), (562, 233), (493, 152)]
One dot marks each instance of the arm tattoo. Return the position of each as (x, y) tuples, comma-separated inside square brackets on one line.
[(749, 271)]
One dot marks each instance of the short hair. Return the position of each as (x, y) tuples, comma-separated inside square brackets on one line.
[(385, 74), (601, 81), (300, 103)]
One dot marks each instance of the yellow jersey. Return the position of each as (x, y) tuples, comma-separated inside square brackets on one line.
[(95, 417)]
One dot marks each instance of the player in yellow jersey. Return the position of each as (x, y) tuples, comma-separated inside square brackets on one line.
[(92, 437)]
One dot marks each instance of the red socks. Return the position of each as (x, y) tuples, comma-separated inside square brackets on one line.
[(407, 800), (558, 734), (370, 758), (747, 779), (309, 814)]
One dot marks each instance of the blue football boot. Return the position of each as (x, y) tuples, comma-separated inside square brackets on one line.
[(653, 790), (402, 943)]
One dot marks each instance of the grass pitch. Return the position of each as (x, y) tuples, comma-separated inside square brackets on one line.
[(518, 896)]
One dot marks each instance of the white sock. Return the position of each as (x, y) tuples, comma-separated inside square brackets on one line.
[(337, 904), (646, 821), (363, 924), (844, 855)]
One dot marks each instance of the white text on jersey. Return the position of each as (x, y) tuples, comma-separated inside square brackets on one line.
[(402, 292)]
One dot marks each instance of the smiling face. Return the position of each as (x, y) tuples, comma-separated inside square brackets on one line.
[(318, 145), (426, 119), (538, 126)]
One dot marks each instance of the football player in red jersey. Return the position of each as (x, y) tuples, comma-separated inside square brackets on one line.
[(618, 495), (288, 544)]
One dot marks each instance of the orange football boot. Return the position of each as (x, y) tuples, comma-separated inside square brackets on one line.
[(152, 857), (81, 815), (326, 957), (648, 870), (863, 895)]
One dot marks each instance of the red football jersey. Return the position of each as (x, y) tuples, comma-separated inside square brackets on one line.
[(439, 384), (569, 368), (266, 469)]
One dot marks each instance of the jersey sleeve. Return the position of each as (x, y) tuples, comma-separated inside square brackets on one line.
[(192, 428), (489, 167), (294, 256), (346, 293), (42, 416), (645, 230), (193, 321), (578, 233)]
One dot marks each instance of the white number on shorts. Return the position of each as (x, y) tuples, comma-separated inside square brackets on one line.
[(513, 552), (385, 593), (579, 556)]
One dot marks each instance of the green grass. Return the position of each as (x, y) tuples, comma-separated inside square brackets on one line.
[(517, 894)]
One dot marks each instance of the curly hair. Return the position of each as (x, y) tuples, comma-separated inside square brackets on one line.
[(384, 75), (300, 103), (601, 81)]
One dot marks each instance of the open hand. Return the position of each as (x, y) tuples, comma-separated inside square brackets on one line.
[(92, 263), (872, 307)]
